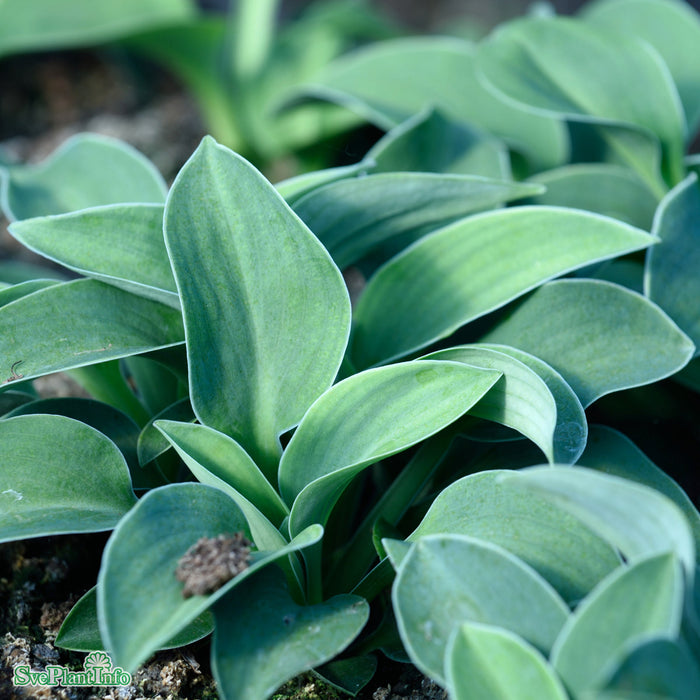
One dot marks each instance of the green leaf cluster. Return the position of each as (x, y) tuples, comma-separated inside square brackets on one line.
[(415, 456)]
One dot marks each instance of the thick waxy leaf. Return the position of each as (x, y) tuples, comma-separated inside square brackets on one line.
[(671, 278), (82, 322), (611, 452), (672, 28), (16, 291), (432, 142), (226, 459), (369, 416), (59, 476), (601, 337), (565, 67), (639, 521), (263, 638), (603, 188), (266, 310), (633, 603), (467, 269), (660, 666), (121, 244), (45, 24), (550, 540), (152, 443), (448, 579), (354, 217), (80, 630), (140, 604), (86, 171), (489, 663), (409, 75), (522, 400), (294, 188)]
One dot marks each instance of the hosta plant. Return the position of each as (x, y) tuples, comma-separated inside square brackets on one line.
[(412, 474)]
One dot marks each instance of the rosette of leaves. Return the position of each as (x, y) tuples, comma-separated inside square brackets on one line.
[(227, 306)]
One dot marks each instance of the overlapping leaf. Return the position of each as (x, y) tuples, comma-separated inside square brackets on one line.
[(86, 171), (524, 401), (265, 308), (565, 67), (432, 142), (599, 336), (603, 188), (143, 610), (672, 28), (118, 244), (446, 580), (82, 322), (484, 662), (671, 278), (259, 620), (639, 521), (59, 476), (368, 416), (469, 268), (409, 75), (354, 217), (631, 605), (564, 551)]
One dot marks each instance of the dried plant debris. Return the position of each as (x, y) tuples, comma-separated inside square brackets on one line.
[(211, 562)]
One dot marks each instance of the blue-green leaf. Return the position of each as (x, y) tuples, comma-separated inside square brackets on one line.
[(468, 269), (599, 336), (553, 542), (671, 278), (59, 476), (120, 244), (86, 171), (445, 580), (266, 310), (632, 604), (140, 603), (263, 638)]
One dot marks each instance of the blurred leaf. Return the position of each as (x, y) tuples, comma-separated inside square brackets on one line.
[(80, 630), (632, 604), (260, 620), (120, 244), (433, 142), (80, 323), (602, 188), (564, 67), (409, 75), (601, 337), (671, 278), (553, 542), (366, 417), (21, 289), (353, 217), (611, 452), (656, 667), (483, 662), (636, 519), (44, 24), (59, 476), (672, 28), (446, 580), (265, 308), (467, 269), (86, 171), (140, 605)]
